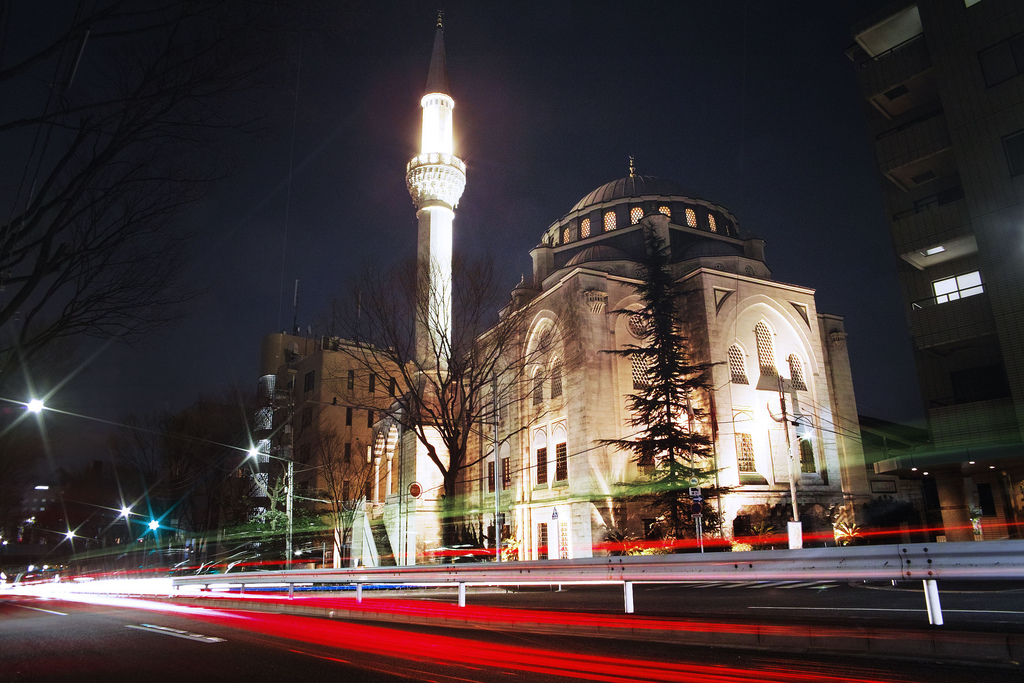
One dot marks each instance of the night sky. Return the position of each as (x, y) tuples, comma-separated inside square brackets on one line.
[(750, 105)]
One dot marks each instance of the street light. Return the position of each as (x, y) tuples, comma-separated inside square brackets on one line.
[(154, 525), (126, 511), (35, 406)]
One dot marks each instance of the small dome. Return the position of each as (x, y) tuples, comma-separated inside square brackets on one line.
[(711, 248), (598, 252), (631, 186)]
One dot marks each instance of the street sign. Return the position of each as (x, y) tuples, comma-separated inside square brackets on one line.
[(695, 508), (694, 481), (694, 493)]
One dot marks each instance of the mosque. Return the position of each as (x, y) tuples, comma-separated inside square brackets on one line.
[(559, 490)]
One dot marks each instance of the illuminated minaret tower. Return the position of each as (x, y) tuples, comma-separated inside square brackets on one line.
[(435, 178)]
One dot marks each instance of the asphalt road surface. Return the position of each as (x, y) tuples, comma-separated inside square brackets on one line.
[(107, 639)]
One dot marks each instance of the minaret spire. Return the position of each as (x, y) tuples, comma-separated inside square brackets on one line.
[(435, 178)]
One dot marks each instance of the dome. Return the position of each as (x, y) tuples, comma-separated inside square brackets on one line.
[(711, 248), (630, 186), (598, 252)]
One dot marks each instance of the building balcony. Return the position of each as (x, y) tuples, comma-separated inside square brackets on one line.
[(935, 324), (881, 73), (930, 222), (916, 142)]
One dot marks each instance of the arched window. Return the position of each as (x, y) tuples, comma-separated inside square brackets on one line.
[(665, 211), (538, 387), (584, 228), (565, 235), (765, 350), (796, 373), (561, 454), (745, 453), (609, 221), (540, 448), (691, 218), (635, 214), (807, 465), (737, 366), (711, 222), (556, 378)]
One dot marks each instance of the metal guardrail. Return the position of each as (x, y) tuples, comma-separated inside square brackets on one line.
[(929, 562)]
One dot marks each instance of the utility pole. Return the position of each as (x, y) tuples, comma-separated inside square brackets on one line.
[(497, 474), (794, 528)]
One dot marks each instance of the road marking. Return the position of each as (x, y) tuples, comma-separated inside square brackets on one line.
[(40, 609), (177, 633)]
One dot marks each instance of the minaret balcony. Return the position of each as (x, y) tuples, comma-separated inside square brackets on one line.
[(435, 177)]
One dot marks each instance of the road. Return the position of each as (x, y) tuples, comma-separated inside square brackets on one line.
[(111, 639)]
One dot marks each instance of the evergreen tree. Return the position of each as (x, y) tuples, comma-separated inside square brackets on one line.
[(664, 407)]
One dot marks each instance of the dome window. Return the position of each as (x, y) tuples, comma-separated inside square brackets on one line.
[(737, 366), (711, 222), (565, 235), (691, 218), (635, 214), (665, 211), (584, 228), (609, 221)]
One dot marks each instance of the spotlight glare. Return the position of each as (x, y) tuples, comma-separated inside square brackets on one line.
[(154, 525), (252, 452), (70, 534), (34, 406), (125, 511)]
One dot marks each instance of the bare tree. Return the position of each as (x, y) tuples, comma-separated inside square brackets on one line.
[(447, 386), (118, 118), (344, 477)]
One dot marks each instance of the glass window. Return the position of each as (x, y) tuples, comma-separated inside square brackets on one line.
[(565, 235), (959, 287), (561, 462), (745, 453), (309, 380), (1013, 148), (351, 380), (691, 218), (807, 457), (609, 221), (490, 476), (1003, 60), (635, 214), (373, 384), (711, 222), (765, 350), (584, 228), (796, 373), (542, 465), (665, 211), (542, 541), (556, 379), (538, 388), (348, 453), (369, 418), (506, 473), (393, 388), (737, 366)]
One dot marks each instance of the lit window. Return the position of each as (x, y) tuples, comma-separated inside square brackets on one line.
[(639, 371), (796, 373), (373, 384), (691, 218), (807, 457), (584, 228), (745, 453), (635, 214), (565, 235), (506, 473), (765, 350), (711, 222), (959, 287), (665, 211), (490, 477), (542, 465), (737, 368), (609, 221), (561, 462), (351, 384)]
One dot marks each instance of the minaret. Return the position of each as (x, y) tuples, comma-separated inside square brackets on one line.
[(435, 178)]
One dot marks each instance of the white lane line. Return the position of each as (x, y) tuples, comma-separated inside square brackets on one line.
[(40, 609), (177, 633), (889, 609), (809, 584)]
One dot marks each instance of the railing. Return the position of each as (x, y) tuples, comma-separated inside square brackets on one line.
[(929, 562)]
